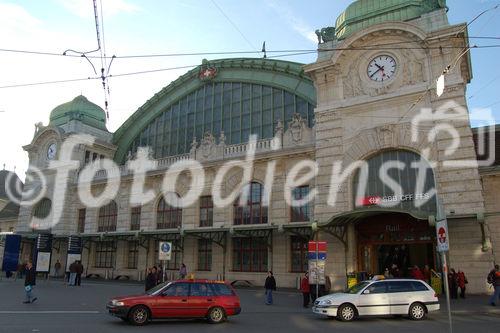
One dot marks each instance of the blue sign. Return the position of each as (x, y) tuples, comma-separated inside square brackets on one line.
[(11, 253), (165, 247), (312, 256)]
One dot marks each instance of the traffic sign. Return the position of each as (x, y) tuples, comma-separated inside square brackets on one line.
[(443, 239), (312, 246), (165, 251)]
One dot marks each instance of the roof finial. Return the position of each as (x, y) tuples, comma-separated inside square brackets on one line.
[(4, 166)]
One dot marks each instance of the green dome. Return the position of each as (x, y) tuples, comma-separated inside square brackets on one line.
[(364, 13), (81, 109)]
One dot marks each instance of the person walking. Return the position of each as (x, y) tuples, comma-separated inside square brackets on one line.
[(494, 280), (270, 286), (461, 282), (29, 283), (57, 269), (452, 283), (183, 271), (72, 274), (305, 289), (79, 272), (151, 279)]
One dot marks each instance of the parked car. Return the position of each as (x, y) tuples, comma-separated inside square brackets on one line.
[(213, 300), (414, 298)]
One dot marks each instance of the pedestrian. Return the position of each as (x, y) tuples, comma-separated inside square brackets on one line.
[(270, 286), (72, 274), (57, 268), (305, 289), (452, 283), (427, 274), (79, 272), (29, 283), (151, 279), (416, 273), (387, 274), (494, 280), (328, 285), (461, 282), (183, 271)]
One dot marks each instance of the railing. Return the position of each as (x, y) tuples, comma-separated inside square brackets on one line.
[(228, 152)]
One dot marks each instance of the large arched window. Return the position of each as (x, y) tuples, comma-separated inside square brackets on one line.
[(107, 217), (42, 208), (239, 109), (253, 210), (403, 168), (167, 216)]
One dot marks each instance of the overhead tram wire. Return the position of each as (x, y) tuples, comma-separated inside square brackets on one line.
[(233, 24)]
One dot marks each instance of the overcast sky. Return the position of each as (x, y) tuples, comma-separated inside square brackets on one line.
[(173, 26)]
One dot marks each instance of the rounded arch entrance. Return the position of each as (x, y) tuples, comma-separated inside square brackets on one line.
[(395, 241)]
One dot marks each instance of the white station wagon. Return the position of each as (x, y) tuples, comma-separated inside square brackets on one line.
[(414, 298)]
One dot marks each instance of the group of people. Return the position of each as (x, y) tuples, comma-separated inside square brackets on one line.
[(308, 290), (154, 276), (457, 280), (75, 274)]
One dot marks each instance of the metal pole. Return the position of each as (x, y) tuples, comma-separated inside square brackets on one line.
[(317, 266), (447, 289), (164, 269)]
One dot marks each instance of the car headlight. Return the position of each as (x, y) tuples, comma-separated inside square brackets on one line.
[(326, 302), (117, 303)]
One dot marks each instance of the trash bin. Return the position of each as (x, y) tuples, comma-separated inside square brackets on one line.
[(352, 279), (436, 282)]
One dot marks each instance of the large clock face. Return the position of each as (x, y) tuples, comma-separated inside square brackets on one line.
[(382, 68), (51, 151)]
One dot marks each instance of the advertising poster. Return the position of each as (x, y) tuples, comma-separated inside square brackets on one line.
[(43, 262), (72, 257)]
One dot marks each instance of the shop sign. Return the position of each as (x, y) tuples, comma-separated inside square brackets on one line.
[(380, 200)]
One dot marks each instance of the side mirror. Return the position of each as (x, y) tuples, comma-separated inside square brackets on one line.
[(366, 292)]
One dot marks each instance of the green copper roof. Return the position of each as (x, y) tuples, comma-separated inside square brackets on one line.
[(364, 13), (81, 109)]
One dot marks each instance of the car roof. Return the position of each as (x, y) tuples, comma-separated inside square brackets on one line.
[(405, 280)]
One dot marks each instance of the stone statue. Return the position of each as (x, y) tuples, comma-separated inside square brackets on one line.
[(194, 144), (222, 138), (326, 34)]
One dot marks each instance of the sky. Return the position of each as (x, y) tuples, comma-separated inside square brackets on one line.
[(133, 27)]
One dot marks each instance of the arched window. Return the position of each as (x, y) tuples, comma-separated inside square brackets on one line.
[(252, 211), (42, 208), (167, 216), (107, 217)]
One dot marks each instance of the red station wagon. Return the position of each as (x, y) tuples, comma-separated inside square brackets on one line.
[(213, 300)]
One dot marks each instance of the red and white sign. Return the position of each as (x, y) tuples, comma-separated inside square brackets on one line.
[(442, 236), (321, 246)]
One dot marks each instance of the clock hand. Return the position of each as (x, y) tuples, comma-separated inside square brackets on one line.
[(378, 70)]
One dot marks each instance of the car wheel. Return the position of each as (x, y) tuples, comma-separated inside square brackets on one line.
[(417, 311), (139, 315), (346, 312), (216, 315)]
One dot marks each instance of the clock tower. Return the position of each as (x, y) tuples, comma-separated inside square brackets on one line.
[(79, 116), (375, 78)]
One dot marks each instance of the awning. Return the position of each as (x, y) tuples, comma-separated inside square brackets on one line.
[(216, 235), (300, 229)]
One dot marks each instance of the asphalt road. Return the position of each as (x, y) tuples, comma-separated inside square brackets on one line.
[(82, 309)]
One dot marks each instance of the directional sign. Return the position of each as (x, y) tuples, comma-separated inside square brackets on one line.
[(165, 251), (443, 239)]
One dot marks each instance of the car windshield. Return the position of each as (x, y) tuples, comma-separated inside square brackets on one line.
[(357, 288), (159, 287)]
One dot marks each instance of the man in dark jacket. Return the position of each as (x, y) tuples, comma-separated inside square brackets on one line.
[(79, 272), (494, 280), (29, 283), (270, 285), (151, 279)]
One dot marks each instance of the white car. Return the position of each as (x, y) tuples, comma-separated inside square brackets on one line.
[(414, 298)]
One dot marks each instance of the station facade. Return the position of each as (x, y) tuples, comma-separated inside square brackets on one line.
[(359, 102)]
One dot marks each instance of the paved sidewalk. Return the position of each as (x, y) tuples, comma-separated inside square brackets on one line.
[(473, 304)]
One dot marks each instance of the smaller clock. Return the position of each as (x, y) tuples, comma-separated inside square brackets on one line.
[(382, 68), (51, 151)]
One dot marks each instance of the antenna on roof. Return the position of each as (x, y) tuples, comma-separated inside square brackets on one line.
[(264, 49)]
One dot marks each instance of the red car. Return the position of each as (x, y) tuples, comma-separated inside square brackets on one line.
[(213, 300)]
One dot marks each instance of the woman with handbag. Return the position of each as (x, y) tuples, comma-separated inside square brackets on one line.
[(462, 281)]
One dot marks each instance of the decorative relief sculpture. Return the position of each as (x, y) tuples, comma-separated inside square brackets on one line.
[(298, 132), (207, 145), (385, 135), (413, 69), (352, 83)]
